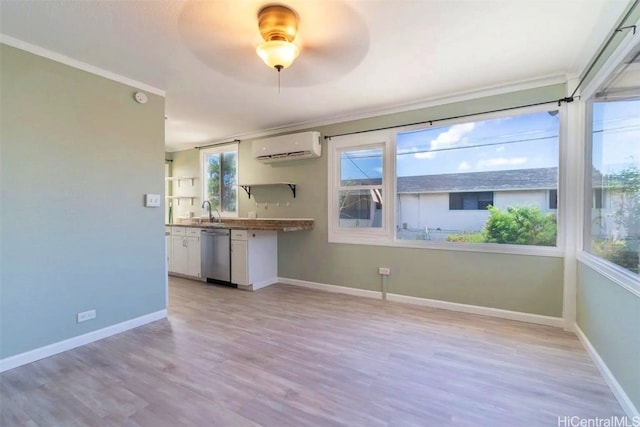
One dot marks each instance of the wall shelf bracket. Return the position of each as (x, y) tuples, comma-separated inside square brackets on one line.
[(247, 187)]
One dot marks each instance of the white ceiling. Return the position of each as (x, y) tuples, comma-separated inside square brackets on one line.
[(357, 57)]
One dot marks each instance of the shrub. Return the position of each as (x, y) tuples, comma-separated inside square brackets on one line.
[(616, 251), (465, 238), (525, 225)]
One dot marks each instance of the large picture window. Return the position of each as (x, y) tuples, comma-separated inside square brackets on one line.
[(219, 167), (480, 182)]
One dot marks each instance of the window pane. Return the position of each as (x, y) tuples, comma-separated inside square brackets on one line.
[(553, 199), (470, 201), (360, 208), (480, 182), (229, 166), (615, 183), (361, 167), (220, 178), (212, 176)]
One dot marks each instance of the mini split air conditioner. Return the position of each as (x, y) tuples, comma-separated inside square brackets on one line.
[(294, 146)]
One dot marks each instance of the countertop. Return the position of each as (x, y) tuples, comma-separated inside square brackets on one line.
[(276, 224)]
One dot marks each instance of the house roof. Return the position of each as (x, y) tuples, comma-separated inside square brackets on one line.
[(517, 179)]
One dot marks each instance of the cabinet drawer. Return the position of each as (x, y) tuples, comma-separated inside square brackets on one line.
[(193, 232), (239, 234), (178, 231)]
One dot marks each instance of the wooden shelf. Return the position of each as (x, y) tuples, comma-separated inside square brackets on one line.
[(182, 178), (178, 198), (247, 187)]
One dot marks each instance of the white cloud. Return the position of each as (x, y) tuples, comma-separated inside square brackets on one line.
[(501, 161), (424, 155), (464, 166), (446, 139), (500, 149), (450, 137)]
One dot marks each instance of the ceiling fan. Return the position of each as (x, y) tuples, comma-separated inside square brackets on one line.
[(278, 26), (226, 35)]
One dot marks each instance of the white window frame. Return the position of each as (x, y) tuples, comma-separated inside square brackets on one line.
[(501, 248), (224, 148), (364, 235), (617, 274), (388, 236)]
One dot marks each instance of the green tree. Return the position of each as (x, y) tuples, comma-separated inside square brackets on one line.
[(524, 225), (624, 188), (221, 180)]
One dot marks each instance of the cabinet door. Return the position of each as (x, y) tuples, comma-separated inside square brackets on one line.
[(193, 263), (239, 258), (179, 255)]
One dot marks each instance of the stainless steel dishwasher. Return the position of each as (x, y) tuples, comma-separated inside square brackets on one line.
[(216, 256)]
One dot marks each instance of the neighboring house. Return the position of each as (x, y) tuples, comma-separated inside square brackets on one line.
[(437, 205), (432, 206)]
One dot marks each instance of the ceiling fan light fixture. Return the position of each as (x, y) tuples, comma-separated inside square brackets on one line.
[(278, 54), (278, 26)]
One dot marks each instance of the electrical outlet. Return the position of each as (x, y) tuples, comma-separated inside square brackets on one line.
[(384, 271), (86, 315)]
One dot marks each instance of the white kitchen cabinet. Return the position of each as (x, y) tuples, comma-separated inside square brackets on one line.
[(239, 266), (185, 251), (254, 258), (193, 256)]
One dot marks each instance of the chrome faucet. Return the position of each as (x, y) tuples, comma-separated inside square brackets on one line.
[(210, 210)]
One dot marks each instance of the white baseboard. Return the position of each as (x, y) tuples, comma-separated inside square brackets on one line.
[(466, 308), (331, 288), (68, 344), (476, 309), (264, 283), (617, 390)]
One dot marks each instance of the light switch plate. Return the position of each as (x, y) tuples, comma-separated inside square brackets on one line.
[(152, 200)]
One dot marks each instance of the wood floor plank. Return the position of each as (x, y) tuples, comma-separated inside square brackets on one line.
[(287, 356)]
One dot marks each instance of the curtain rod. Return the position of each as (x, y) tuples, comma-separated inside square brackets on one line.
[(431, 122), (619, 28), (216, 144)]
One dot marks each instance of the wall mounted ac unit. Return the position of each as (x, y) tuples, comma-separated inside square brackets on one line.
[(294, 146)]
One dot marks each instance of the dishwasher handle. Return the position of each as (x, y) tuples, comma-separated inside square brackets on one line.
[(225, 232)]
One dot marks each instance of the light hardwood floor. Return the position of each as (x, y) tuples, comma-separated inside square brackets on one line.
[(286, 356)]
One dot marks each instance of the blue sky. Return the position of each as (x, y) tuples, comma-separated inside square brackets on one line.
[(616, 135), (516, 142)]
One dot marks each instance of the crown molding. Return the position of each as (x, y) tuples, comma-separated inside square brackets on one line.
[(400, 108), (63, 59)]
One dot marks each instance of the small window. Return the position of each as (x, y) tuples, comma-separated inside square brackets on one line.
[(470, 201), (597, 198), (360, 191), (553, 199), (358, 184), (219, 178)]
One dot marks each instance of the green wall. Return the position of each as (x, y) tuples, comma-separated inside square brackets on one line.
[(77, 156), (609, 315), (530, 284)]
